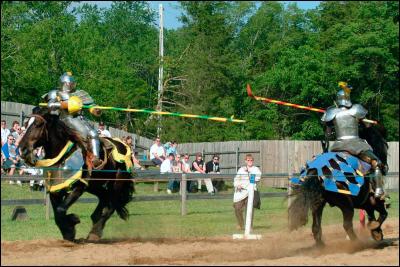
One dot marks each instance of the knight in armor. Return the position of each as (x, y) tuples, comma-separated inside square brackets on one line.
[(343, 120), (66, 102)]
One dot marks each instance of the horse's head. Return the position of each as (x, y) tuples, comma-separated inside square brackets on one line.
[(36, 135), (47, 130)]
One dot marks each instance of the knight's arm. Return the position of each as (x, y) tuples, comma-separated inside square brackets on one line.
[(327, 120), (53, 101), (88, 100), (329, 131), (360, 113)]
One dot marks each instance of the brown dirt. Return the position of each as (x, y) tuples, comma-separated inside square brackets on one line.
[(278, 248)]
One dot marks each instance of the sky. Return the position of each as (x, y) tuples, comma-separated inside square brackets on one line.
[(172, 10)]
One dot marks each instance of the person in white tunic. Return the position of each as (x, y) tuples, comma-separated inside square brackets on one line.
[(241, 183)]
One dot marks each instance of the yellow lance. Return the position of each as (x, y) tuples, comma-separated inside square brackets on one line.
[(342, 85), (75, 105)]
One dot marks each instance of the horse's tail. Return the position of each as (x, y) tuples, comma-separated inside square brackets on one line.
[(303, 197), (124, 197)]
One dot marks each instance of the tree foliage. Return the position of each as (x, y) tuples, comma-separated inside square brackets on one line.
[(284, 52)]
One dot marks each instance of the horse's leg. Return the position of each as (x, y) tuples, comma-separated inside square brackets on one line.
[(372, 222), (348, 214), (71, 198), (316, 226), (65, 223), (377, 232), (370, 207), (109, 201), (380, 207), (97, 229)]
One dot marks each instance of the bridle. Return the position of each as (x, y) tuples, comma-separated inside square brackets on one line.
[(43, 120)]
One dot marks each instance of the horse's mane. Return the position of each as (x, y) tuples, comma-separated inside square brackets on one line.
[(61, 130), (375, 136), (57, 126)]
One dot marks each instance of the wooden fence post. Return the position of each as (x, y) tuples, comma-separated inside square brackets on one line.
[(183, 194), (261, 157), (155, 188), (290, 189), (47, 203), (237, 158), (290, 172), (21, 117)]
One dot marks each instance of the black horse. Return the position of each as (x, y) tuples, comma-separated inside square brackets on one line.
[(311, 193), (113, 188)]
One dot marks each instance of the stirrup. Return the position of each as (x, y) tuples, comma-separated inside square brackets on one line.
[(97, 163)]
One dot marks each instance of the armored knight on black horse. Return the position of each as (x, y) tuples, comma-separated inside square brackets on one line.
[(343, 120)]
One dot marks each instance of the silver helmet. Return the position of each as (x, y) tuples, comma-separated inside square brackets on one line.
[(67, 82), (343, 99)]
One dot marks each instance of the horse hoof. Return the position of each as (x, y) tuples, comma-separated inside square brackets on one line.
[(377, 235), (372, 225), (93, 237)]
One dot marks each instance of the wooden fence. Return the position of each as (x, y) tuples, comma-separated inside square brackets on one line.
[(272, 156), (144, 176)]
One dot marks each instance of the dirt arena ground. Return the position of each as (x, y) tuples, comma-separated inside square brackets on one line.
[(279, 248)]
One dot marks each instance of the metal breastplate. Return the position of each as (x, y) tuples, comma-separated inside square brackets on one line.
[(345, 120), (346, 125)]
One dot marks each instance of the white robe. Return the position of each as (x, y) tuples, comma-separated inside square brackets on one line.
[(242, 178)]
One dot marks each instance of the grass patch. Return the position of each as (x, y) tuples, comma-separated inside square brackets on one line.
[(158, 219)]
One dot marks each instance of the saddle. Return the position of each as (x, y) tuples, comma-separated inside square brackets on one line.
[(109, 144)]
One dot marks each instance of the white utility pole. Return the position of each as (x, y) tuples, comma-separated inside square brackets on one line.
[(160, 70)]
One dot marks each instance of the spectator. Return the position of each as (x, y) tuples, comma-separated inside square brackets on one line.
[(177, 167), (157, 152), (198, 167), (12, 158), (166, 167), (15, 130), (103, 132), (21, 134), (2, 161), (170, 147), (128, 140), (4, 132), (213, 167), (185, 163), (186, 169), (210, 188), (240, 184)]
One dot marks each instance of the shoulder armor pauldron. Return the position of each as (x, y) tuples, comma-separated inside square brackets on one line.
[(358, 111), (330, 114), (51, 95), (86, 98)]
